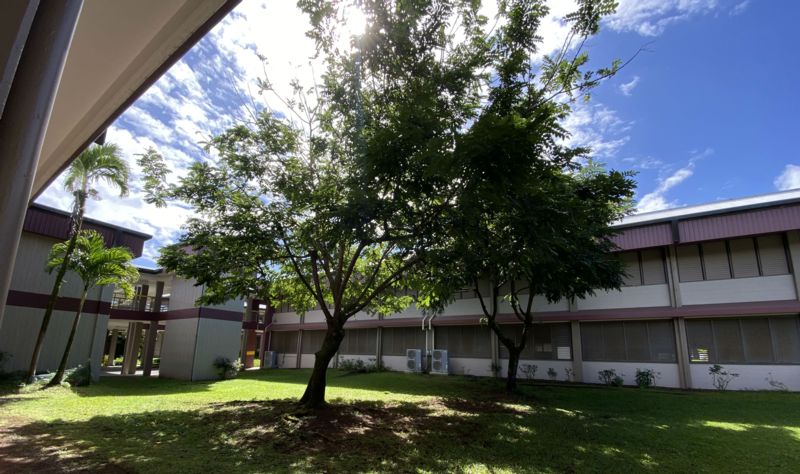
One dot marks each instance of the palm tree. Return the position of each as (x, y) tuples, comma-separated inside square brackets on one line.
[(95, 265), (97, 163)]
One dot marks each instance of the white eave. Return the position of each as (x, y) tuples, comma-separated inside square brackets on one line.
[(119, 48), (718, 207)]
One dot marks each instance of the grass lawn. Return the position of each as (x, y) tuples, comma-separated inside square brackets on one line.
[(393, 422)]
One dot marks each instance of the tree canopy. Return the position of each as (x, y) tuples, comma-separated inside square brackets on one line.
[(435, 121)]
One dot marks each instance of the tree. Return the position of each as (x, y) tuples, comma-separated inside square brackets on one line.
[(338, 202), (97, 163), (95, 265), (534, 215)]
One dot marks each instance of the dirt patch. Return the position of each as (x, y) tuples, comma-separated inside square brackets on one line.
[(20, 452)]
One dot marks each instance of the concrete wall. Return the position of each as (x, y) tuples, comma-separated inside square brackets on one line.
[(178, 350), (751, 376), (21, 324), (739, 290), (470, 366), (184, 294), (397, 363), (541, 368), (628, 297)]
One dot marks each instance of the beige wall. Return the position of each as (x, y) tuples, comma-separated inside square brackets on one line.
[(177, 351), (739, 290)]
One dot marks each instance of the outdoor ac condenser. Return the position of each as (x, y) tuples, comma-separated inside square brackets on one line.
[(414, 360), (439, 363), (270, 360)]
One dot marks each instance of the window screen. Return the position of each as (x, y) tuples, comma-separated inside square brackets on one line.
[(634, 341), (745, 340), (633, 274), (397, 340), (359, 342), (653, 269), (715, 258), (464, 341), (549, 341), (773, 255), (743, 257), (689, 266), (284, 342), (312, 341)]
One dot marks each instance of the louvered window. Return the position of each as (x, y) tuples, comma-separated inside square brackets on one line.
[(632, 341), (633, 272), (284, 342), (715, 259), (360, 342), (397, 340), (549, 341), (643, 267), (773, 340), (690, 268), (464, 341), (312, 341), (736, 258)]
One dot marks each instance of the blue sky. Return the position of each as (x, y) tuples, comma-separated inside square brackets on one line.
[(706, 112)]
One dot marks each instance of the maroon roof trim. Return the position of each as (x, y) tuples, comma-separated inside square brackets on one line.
[(27, 299), (54, 223), (762, 221), (656, 235)]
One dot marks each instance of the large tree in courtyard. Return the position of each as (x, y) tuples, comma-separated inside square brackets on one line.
[(532, 216), (342, 202)]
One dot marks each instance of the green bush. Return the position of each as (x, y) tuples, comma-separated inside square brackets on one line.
[(646, 378), (610, 377), (227, 368), (80, 376), (358, 366)]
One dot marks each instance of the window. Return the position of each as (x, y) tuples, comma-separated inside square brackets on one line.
[(644, 267), (633, 341), (773, 340), (359, 342), (735, 258), (397, 340), (549, 341), (464, 341), (284, 342), (312, 341)]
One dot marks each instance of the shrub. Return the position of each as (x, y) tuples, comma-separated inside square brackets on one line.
[(551, 372), (617, 381), (720, 377), (528, 370), (646, 378), (358, 366), (80, 376), (607, 376), (569, 373), (227, 368)]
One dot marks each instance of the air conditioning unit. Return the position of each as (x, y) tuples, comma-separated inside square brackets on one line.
[(439, 364), (414, 360), (270, 360)]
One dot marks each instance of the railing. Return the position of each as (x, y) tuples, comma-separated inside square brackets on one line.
[(140, 303)]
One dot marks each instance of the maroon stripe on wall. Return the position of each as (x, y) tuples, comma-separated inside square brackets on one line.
[(763, 221), (27, 299), (643, 237)]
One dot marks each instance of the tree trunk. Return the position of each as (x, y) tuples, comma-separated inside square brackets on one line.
[(62, 366), (314, 396), (513, 363), (62, 270)]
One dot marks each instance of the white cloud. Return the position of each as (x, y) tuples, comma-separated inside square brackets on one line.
[(789, 179), (657, 199), (739, 8), (628, 87), (651, 17), (597, 127)]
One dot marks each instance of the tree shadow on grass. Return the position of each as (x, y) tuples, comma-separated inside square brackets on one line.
[(442, 434)]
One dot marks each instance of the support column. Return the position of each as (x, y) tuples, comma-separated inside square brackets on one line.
[(682, 347), (266, 335), (24, 122), (132, 348), (673, 278), (793, 241), (379, 348), (152, 331), (112, 348), (577, 352), (141, 303)]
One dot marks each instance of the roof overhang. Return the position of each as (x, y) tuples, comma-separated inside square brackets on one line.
[(118, 50)]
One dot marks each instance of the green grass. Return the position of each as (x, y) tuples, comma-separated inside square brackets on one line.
[(396, 422)]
